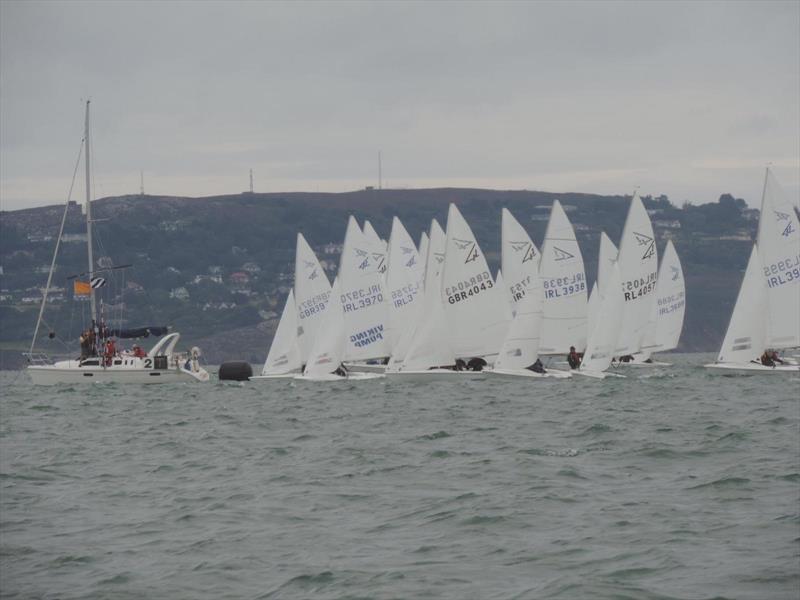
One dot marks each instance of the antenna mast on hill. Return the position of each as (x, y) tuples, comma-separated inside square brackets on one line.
[(141, 183), (251, 181), (380, 172)]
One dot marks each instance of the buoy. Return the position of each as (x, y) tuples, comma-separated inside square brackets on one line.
[(235, 370)]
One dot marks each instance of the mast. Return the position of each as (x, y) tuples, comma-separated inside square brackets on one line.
[(93, 305)]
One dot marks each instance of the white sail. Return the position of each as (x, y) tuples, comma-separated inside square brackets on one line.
[(779, 252), (471, 299), (605, 260), (504, 292), (520, 347), (666, 315), (423, 246), (312, 291), (519, 258), (327, 352), (744, 340), (424, 344), (377, 242), (362, 296), (592, 309), (284, 353), (638, 266), (564, 312), (602, 341), (404, 283)]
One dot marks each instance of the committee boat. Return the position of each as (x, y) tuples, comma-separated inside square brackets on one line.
[(102, 357)]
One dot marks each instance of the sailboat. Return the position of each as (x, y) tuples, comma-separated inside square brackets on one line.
[(667, 312), (520, 261), (301, 317), (564, 312), (283, 358), (404, 288), (638, 266), (100, 360), (767, 311)]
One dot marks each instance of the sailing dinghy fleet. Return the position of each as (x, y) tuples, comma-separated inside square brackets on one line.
[(435, 311)]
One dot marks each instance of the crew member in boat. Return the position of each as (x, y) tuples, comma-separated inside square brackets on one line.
[(769, 358), (111, 351), (537, 367), (476, 364), (574, 358), (139, 352)]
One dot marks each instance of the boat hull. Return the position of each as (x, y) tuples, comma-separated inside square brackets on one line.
[(436, 375), (331, 377), (56, 375), (753, 368), (525, 373), (597, 374)]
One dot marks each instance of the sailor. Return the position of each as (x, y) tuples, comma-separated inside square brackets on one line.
[(86, 348), (138, 352), (341, 371), (774, 356), (476, 364), (574, 358), (537, 367), (766, 359), (111, 350)]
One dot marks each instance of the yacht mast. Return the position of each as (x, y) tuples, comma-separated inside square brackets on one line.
[(89, 214)]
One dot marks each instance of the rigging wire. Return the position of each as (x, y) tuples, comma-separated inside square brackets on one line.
[(58, 244)]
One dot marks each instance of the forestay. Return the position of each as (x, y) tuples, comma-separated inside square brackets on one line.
[(519, 258), (744, 340), (666, 315), (638, 266), (564, 312), (312, 292), (471, 301), (404, 283), (284, 353), (362, 296), (601, 343), (779, 251)]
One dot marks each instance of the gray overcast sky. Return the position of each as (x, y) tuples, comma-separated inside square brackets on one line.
[(687, 99)]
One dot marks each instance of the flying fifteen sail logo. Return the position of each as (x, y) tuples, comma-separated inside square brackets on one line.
[(471, 248), (648, 243), (362, 254), (379, 259), (789, 229), (562, 254), (412, 261), (676, 272), (439, 256), (528, 253), (405, 250)]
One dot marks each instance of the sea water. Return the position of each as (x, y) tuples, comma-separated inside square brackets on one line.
[(672, 483)]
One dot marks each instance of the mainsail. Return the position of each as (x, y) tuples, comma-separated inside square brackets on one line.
[(404, 283), (362, 295), (666, 315), (519, 258), (472, 302), (779, 252), (638, 266), (312, 292), (564, 286)]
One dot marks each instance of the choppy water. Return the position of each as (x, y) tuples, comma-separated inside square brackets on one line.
[(673, 483)]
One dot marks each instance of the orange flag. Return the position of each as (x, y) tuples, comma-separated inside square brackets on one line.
[(81, 288)]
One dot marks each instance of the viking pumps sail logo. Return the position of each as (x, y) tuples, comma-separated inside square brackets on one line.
[(526, 248), (562, 254), (471, 248), (647, 243), (788, 230)]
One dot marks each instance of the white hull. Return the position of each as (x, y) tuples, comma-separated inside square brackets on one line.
[(640, 363), (597, 374), (436, 375), (74, 374), (525, 373), (331, 377), (281, 376), (753, 368), (360, 367)]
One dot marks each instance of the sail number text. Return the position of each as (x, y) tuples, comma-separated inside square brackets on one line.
[(559, 287), (641, 286), (313, 305), (783, 271), (464, 289), (362, 298)]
